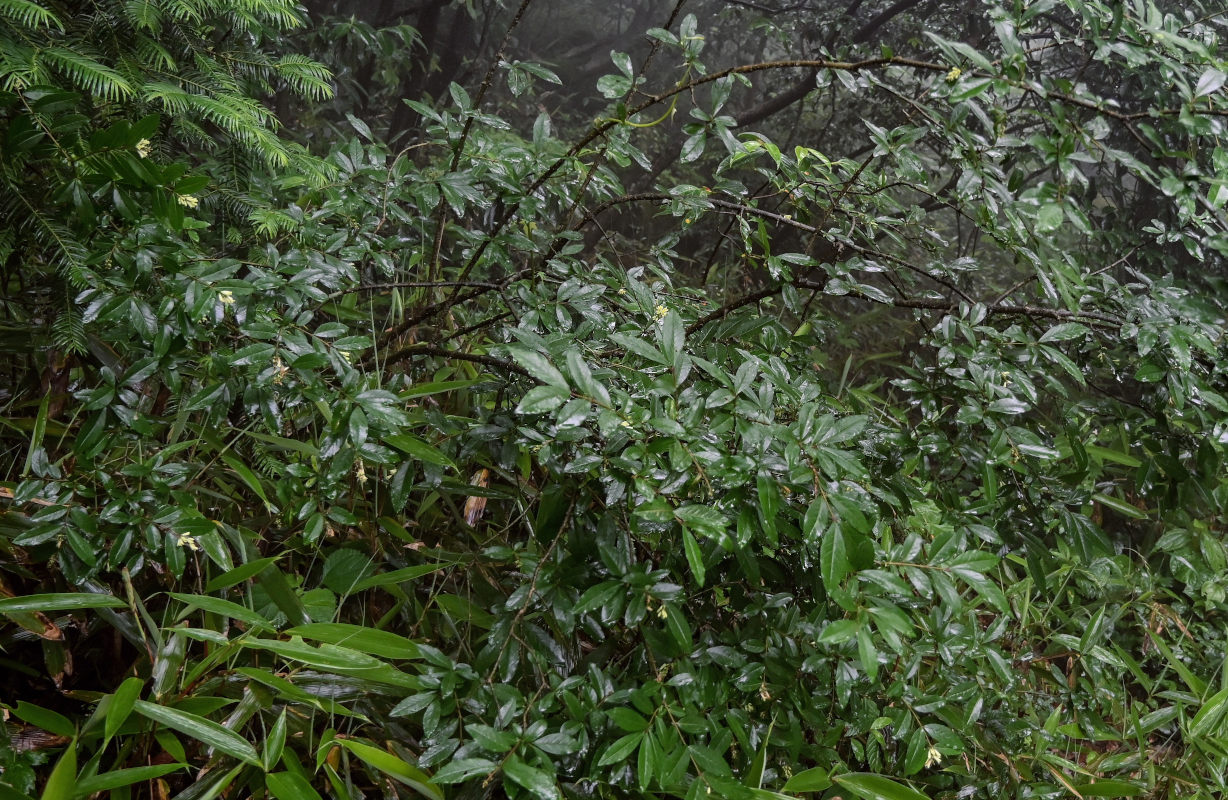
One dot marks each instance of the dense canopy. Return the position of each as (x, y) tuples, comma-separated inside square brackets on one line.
[(575, 399)]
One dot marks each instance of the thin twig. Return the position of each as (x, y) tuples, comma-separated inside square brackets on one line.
[(431, 350)]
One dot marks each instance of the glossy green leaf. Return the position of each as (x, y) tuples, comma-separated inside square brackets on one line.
[(115, 779), (203, 730), (223, 608), (1109, 788), (814, 779), (694, 556), (45, 718), (876, 787), (73, 601), (394, 767), (123, 701), (620, 749), (239, 574), (419, 450), (289, 786), (538, 783), (357, 637), (62, 782)]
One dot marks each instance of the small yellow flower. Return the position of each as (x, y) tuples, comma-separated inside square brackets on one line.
[(142, 148), (932, 757), (660, 311), (360, 472), (188, 541), (764, 694), (349, 359), (662, 613), (226, 297), (625, 424), (622, 291), (187, 200), (954, 74)]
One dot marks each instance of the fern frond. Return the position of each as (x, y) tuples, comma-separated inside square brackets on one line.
[(64, 251), (185, 10), (68, 331), (29, 14), (282, 13), (307, 78), (152, 53), (20, 67), (238, 115), (89, 74), (143, 15), (6, 240), (318, 171)]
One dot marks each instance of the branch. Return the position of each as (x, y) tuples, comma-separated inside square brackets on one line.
[(430, 350), (784, 219), (1094, 319), (435, 309), (606, 125), (373, 287), (805, 84), (441, 208)]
